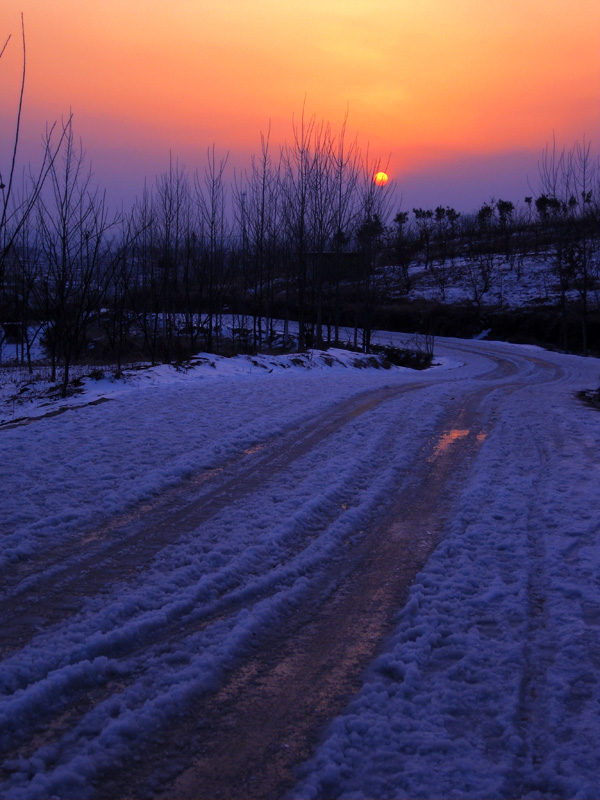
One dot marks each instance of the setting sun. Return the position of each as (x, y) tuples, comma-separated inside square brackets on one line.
[(380, 178)]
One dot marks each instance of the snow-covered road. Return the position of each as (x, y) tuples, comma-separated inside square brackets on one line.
[(357, 583)]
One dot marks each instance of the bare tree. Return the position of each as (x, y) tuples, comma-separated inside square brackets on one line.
[(258, 211), (580, 180), (322, 224), (402, 250), (117, 319), (210, 197), (424, 223), (21, 318), (172, 219), (296, 188), (345, 163), (565, 207), (147, 279), (74, 225)]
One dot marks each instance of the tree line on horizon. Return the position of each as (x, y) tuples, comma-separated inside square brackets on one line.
[(305, 234)]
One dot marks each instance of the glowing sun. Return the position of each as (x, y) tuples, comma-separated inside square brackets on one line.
[(380, 178)]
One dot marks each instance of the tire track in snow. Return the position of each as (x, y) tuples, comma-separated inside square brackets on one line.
[(174, 630), (122, 549), (531, 719), (246, 739), (194, 612)]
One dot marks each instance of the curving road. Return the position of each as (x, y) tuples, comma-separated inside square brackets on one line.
[(199, 642)]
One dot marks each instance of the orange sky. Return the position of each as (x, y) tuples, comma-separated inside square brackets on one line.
[(431, 83)]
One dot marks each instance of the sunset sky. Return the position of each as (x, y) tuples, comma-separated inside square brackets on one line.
[(461, 95)]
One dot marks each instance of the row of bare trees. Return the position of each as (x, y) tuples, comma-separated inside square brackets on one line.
[(296, 237), (557, 226), (305, 235), (569, 208)]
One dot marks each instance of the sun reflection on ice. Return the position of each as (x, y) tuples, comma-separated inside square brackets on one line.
[(453, 435), (447, 439)]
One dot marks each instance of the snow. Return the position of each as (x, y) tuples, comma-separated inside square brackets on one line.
[(501, 627), (535, 282), (442, 711)]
